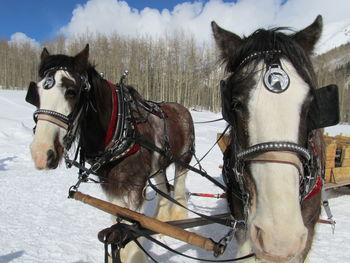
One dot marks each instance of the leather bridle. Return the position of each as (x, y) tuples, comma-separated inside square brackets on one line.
[(305, 160), (69, 122)]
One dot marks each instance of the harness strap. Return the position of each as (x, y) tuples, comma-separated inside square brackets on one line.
[(272, 147), (145, 143), (221, 221), (112, 124), (127, 233), (152, 239), (288, 158), (281, 157)]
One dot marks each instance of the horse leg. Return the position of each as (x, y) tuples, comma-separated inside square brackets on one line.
[(245, 249), (307, 260), (177, 212), (244, 246), (131, 253), (162, 212)]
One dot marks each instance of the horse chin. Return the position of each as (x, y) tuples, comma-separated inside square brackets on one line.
[(46, 157), (268, 258)]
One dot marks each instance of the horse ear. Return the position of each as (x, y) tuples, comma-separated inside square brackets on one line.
[(81, 59), (227, 41), (308, 37), (44, 53)]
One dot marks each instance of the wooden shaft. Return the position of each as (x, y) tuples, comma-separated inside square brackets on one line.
[(147, 222)]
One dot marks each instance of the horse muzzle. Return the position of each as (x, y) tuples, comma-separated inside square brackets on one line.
[(46, 155), (275, 247)]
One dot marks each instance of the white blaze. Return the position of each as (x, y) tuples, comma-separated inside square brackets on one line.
[(46, 132), (276, 117)]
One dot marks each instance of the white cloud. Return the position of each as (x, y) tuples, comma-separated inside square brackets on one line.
[(243, 17), (21, 38)]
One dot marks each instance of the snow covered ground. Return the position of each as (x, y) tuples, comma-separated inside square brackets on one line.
[(39, 224)]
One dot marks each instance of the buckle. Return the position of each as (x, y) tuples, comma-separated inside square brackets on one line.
[(95, 167)]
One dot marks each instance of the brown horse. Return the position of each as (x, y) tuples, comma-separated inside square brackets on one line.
[(76, 104), (274, 165)]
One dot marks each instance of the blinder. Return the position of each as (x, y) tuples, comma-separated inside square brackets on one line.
[(32, 96), (324, 109)]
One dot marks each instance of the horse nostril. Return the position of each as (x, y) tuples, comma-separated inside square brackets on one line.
[(50, 158)]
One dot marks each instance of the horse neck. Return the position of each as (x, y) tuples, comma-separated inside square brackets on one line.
[(136, 110), (98, 115)]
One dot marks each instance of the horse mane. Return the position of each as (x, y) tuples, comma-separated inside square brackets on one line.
[(134, 93), (273, 39)]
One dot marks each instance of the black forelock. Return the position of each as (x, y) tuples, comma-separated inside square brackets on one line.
[(269, 40), (56, 61), (53, 61)]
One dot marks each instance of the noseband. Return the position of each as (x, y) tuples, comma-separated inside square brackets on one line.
[(54, 117), (277, 152)]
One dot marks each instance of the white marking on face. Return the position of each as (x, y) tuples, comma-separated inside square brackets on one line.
[(53, 98), (46, 132), (276, 117)]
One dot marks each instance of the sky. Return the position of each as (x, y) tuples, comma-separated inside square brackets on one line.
[(42, 19), (38, 21)]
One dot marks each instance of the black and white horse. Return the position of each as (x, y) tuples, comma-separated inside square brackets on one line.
[(274, 164), (76, 104)]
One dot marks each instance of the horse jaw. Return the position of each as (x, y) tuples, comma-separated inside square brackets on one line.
[(277, 230)]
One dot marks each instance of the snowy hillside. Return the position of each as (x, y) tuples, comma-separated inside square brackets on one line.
[(334, 35), (39, 224)]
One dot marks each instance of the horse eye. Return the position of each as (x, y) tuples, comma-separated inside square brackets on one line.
[(70, 93)]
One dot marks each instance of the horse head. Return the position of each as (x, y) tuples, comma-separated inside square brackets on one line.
[(267, 99), (58, 98)]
